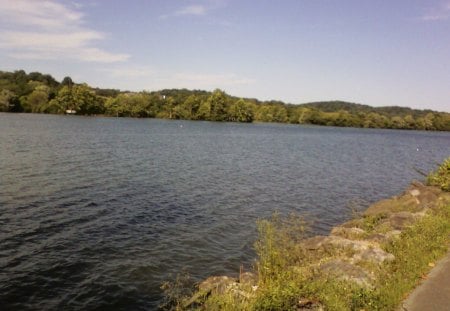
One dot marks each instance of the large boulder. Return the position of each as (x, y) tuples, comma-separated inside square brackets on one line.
[(426, 195), (352, 233), (401, 220), (375, 255), (347, 271), (248, 279), (353, 245), (380, 207), (314, 243), (406, 202), (382, 238), (416, 198), (360, 250), (216, 284)]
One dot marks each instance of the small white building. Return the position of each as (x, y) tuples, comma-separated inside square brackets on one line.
[(70, 111)]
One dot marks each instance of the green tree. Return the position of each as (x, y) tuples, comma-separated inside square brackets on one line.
[(375, 120), (441, 122), (8, 100), (204, 111), (130, 105), (240, 111), (410, 123), (218, 102), (398, 122), (86, 101), (154, 105), (190, 106), (113, 107), (79, 98), (37, 100), (302, 115), (315, 116), (264, 114), (347, 119), (169, 107), (279, 114), (429, 121), (63, 101), (67, 81)]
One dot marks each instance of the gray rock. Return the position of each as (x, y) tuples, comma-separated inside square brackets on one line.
[(393, 234), (348, 233), (375, 255), (248, 278), (379, 238), (401, 220), (216, 284), (347, 271), (425, 195), (416, 198), (315, 242), (380, 207), (354, 245)]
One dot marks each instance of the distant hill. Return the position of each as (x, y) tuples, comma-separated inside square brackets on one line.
[(336, 105)]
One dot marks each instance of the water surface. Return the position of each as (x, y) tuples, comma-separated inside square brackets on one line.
[(95, 213)]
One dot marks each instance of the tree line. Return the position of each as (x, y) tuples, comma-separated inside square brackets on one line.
[(41, 93)]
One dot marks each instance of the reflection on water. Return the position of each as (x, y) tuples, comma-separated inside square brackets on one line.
[(98, 212)]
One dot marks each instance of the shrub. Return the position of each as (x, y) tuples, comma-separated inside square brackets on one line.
[(277, 244), (441, 177)]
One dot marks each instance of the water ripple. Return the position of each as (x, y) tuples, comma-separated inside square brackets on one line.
[(97, 212)]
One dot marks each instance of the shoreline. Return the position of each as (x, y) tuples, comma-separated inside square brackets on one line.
[(230, 122), (354, 255)]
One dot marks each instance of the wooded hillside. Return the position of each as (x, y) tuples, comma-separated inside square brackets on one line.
[(41, 93)]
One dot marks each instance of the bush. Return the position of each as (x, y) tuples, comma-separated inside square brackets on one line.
[(441, 177), (277, 245)]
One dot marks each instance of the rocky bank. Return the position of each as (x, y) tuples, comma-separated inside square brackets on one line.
[(352, 251)]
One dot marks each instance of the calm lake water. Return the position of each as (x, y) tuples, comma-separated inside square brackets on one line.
[(95, 213)]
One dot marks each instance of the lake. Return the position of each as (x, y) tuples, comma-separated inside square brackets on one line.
[(95, 213)]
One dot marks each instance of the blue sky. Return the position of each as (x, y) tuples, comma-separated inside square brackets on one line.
[(374, 52)]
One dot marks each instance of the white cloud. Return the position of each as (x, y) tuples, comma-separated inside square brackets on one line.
[(193, 10), (441, 12), (37, 40), (49, 30), (44, 14), (98, 55)]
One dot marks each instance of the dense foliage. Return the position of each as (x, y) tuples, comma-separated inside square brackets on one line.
[(41, 93)]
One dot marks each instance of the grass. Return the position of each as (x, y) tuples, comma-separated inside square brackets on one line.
[(418, 247)]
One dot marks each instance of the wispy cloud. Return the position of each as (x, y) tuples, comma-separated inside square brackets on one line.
[(441, 12), (129, 72), (201, 80), (49, 30), (193, 10)]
